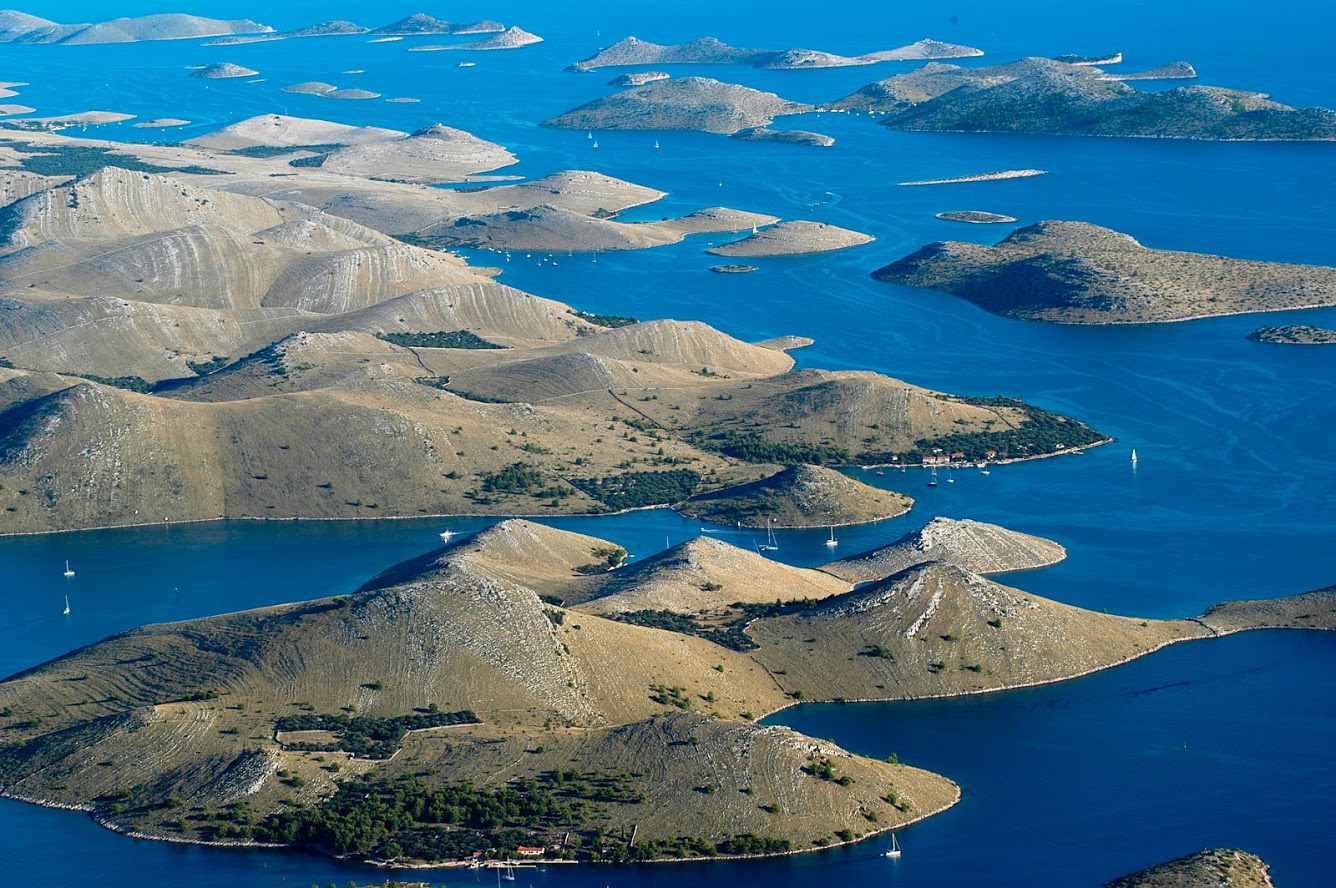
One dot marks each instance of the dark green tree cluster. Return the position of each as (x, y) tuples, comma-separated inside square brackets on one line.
[(367, 736), (604, 320), (80, 160), (751, 447), (634, 490), (439, 339)]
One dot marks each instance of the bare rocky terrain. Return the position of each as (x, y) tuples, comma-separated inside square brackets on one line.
[(19, 27), (973, 545), (785, 137), (1227, 867), (1078, 273)]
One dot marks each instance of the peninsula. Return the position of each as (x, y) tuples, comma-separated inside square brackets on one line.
[(601, 710), (1078, 273), (1215, 866), (711, 51), (798, 496), (793, 239), (1037, 95)]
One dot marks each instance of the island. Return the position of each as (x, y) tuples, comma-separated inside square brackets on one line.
[(510, 38), (793, 239), (733, 269), (1298, 334), (1212, 866), (996, 176), (975, 217), (329, 91), (19, 27), (712, 51), (1021, 96), (531, 687), (417, 24), (784, 137), (223, 71), (691, 103), (1079, 273)]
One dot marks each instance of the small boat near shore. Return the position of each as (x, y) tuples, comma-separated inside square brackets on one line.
[(68, 572), (895, 847), (832, 542)]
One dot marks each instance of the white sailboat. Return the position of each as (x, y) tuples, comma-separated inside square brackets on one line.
[(932, 481), (832, 542), (950, 476), (770, 545), (895, 847), (656, 143), (68, 572), (1134, 456), (595, 145), (446, 534), (67, 605)]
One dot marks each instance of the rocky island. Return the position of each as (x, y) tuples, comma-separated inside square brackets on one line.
[(784, 137), (223, 71), (793, 239), (535, 669), (1078, 273), (712, 51), (1216, 866), (691, 103), (1298, 334), (1020, 97), (975, 217), (638, 78)]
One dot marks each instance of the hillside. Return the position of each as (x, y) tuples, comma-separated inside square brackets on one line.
[(1078, 273), (798, 496), (689, 103), (972, 545), (465, 677), (1036, 95), (1216, 866), (1294, 334), (711, 51)]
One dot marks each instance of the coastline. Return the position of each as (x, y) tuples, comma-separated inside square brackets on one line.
[(502, 517)]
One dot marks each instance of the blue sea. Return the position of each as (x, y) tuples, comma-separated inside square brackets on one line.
[(1220, 743)]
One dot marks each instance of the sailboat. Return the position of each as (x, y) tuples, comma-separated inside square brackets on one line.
[(595, 145), (983, 468), (656, 143), (895, 847), (932, 481), (832, 542), (950, 476), (770, 544), (446, 534), (1134, 456), (589, 135), (68, 572), (67, 605)]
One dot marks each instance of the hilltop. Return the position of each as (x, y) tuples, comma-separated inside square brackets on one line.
[(690, 103), (798, 496), (1217, 866), (1037, 95), (711, 51), (529, 664), (1078, 273), (973, 545)]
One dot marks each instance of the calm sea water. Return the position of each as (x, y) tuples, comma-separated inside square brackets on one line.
[(1225, 742)]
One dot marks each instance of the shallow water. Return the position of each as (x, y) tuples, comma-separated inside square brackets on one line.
[(1233, 496)]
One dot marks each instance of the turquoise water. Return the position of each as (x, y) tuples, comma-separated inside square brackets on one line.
[(1233, 497)]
